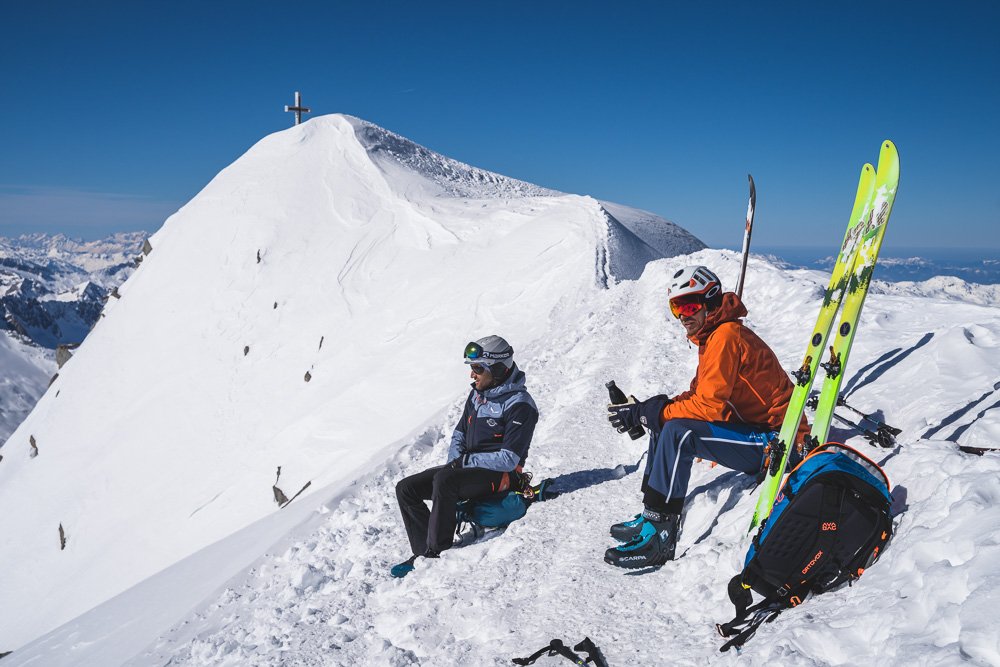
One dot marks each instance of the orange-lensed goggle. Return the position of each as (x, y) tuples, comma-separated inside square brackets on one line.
[(686, 306)]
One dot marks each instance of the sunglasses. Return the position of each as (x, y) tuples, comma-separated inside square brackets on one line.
[(478, 369), (686, 306)]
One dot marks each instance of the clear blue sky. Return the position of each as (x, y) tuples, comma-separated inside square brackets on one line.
[(113, 114)]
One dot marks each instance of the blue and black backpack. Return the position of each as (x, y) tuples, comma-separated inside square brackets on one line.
[(830, 521)]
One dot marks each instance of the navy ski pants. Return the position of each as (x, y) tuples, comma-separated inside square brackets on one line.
[(434, 529), (673, 451)]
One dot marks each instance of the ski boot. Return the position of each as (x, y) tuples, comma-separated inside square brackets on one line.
[(626, 531), (400, 570), (653, 546)]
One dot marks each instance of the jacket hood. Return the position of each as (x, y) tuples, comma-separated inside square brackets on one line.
[(730, 310), (515, 382)]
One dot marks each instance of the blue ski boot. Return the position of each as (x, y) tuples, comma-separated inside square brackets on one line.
[(653, 546), (400, 570), (626, 531)]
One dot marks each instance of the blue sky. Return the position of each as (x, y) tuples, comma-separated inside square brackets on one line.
[(113, 115)]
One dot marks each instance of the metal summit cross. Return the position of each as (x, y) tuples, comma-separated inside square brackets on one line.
[(298, 108)]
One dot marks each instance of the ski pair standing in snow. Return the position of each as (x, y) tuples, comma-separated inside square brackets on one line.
[(735, 405), (488, 449)]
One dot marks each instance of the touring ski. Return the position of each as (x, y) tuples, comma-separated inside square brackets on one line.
[(869, 240), (804, 376), (747, 231)]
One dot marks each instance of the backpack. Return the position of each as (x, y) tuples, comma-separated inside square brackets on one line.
[(829, 523)]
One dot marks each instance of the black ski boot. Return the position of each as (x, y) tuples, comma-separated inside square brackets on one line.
[(653, 546), (626, 531)]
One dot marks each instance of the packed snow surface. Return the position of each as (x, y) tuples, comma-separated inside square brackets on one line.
[(162, 479)]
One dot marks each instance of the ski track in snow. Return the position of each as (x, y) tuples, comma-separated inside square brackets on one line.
[(930, 600)]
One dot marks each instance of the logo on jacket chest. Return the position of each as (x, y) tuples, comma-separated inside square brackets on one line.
[(492, 423)]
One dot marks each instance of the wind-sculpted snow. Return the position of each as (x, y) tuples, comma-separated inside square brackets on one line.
[(322, 596), (297, 313), (665, 238), (454, 178)]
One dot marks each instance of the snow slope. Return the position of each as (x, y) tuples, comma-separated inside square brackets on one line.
[(322, 596), (298, 314)]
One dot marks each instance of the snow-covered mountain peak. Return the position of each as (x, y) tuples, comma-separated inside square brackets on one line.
[(266, 329)]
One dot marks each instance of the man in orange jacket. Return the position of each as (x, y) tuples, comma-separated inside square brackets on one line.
[(735, 405)]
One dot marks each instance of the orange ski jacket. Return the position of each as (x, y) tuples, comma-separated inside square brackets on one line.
[(739, 378)]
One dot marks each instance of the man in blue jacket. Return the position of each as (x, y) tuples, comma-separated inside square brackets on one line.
[(488, 449)]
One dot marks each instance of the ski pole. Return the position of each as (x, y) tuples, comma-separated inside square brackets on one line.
[(869, 418), (879, 437), (746, 236), (883, 435)]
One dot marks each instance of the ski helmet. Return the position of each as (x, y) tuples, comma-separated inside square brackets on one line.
[(696, 282), (493, 352)]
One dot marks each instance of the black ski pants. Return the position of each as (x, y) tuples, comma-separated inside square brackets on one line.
[(434, 529)]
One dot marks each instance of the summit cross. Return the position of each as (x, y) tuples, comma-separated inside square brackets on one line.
[(298, 108)]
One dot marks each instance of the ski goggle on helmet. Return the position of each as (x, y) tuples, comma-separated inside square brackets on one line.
[(489, 352), (691, 289)]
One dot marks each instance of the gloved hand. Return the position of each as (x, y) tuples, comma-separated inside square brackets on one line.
[(455, 463), (624, 416)]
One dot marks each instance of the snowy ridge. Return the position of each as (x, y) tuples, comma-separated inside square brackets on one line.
[(322, 596), (454, 178), (296, 313)]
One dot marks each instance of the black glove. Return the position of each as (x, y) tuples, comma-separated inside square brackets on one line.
[(651, 409), (624, 416), (455, 463)]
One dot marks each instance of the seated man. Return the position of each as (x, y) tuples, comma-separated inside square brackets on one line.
[(488, 449), (736, 404)]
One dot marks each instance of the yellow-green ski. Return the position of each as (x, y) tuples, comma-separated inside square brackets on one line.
[(869, 241), (804, 376)]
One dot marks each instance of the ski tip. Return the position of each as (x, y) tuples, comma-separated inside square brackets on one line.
[(888, 161)]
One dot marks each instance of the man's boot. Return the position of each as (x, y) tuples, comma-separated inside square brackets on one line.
[(653, 546), (626, 531)]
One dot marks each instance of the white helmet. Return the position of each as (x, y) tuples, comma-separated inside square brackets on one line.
[(695, 280)]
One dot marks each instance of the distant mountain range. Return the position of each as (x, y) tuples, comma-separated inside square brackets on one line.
[(52, 291), (52, 288)]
